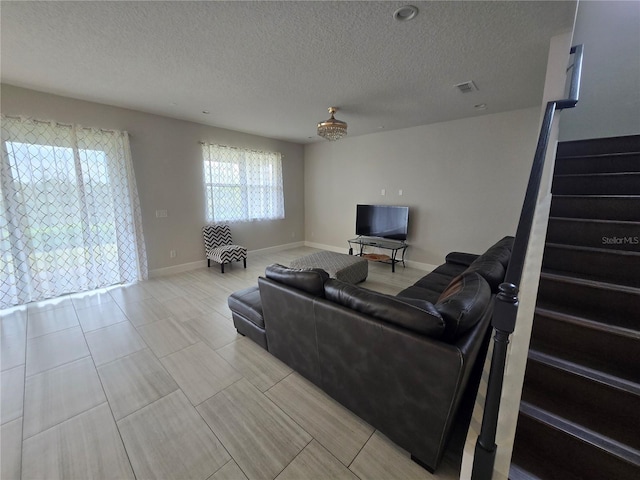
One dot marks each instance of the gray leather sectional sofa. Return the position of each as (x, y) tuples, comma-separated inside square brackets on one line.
[(404, 364)]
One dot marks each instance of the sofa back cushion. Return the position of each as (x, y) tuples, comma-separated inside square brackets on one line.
[(463, 303), (413, 314), (492, 264), (309, 280)]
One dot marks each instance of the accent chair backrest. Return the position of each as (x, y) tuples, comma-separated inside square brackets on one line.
[(216, 236)]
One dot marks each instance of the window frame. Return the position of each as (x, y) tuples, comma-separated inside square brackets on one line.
[(256, 174)]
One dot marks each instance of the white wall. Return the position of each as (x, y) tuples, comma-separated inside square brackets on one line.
[(463, 180), (167, 160), (610, 95)]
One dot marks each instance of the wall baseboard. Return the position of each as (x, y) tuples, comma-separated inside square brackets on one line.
[(185, 267), (277, 248), (329, 248)]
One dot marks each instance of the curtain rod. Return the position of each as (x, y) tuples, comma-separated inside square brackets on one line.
[(238, 148), (60, 124)]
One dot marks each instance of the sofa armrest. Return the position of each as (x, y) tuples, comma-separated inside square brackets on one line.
[(461, 258), (290, 326)]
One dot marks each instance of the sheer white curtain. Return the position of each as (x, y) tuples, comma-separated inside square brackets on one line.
[(242, 185), (70, 215)]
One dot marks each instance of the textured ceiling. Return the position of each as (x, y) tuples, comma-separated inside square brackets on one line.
[(273, 68)]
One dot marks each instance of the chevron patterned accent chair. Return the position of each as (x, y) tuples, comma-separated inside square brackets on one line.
[(219, 246)]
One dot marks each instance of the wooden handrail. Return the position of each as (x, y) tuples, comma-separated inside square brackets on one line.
[(506, 308)]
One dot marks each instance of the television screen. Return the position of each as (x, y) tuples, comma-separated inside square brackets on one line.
[(384, 221)]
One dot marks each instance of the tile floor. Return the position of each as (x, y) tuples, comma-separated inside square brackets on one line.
[(151, 380)]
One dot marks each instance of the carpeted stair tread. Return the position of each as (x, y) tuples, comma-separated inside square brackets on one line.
[(592, 374), (606, 207), (606, 264), (549, 447), (621, 183), (590, 323), (588, 278), (589, 298), (599, 163), (584, 396), (560, 277), (599, 221), (598, 146), (598, 344), (518, 473), (609, 234), (611, 447)]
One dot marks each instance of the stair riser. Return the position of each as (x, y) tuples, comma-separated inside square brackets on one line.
[(601, 265), (600, 208), (551, 454), (597, 185), (599, 146), (617, 307), (599, 164), (584, 402), (614, 354), (616, 236)]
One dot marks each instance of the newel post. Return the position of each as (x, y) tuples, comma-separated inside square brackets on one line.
[(504, 321)]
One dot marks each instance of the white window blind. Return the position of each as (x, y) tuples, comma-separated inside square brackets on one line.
[(69, 212), (242, 185)]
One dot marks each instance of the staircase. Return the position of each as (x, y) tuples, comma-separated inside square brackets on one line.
[(580, 410)]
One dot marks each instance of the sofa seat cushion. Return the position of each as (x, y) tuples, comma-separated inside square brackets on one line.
[(451, 269), (310, 280), (247, 303), (413, 314), (463, 304), (421, 293), (435, 281)]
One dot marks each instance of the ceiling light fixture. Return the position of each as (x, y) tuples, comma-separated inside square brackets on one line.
[(332, 129), (405, 13)]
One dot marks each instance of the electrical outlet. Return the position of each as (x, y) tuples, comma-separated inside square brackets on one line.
[(383, 192), (400, 192), (172, 254), (161, 214)]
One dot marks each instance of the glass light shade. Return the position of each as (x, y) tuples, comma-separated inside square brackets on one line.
[(332, 129)]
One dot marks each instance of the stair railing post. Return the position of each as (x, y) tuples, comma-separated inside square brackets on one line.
[(504, 321)]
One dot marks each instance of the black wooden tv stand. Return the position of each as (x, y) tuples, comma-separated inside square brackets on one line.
[(394, 245)]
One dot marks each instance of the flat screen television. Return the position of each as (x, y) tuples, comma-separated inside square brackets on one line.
[(386, 221)]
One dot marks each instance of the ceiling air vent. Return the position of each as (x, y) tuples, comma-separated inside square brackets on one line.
[(466, 87)]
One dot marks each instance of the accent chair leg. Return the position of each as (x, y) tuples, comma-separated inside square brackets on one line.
[(208, 262), (245, 262), (222, 267)]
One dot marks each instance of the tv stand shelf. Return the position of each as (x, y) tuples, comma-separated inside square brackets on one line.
[(394, 245)]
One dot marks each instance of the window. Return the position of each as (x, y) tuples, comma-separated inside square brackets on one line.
[(69, 212), (242, 185)]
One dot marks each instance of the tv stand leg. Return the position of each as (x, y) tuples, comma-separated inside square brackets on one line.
[(350, 251)]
